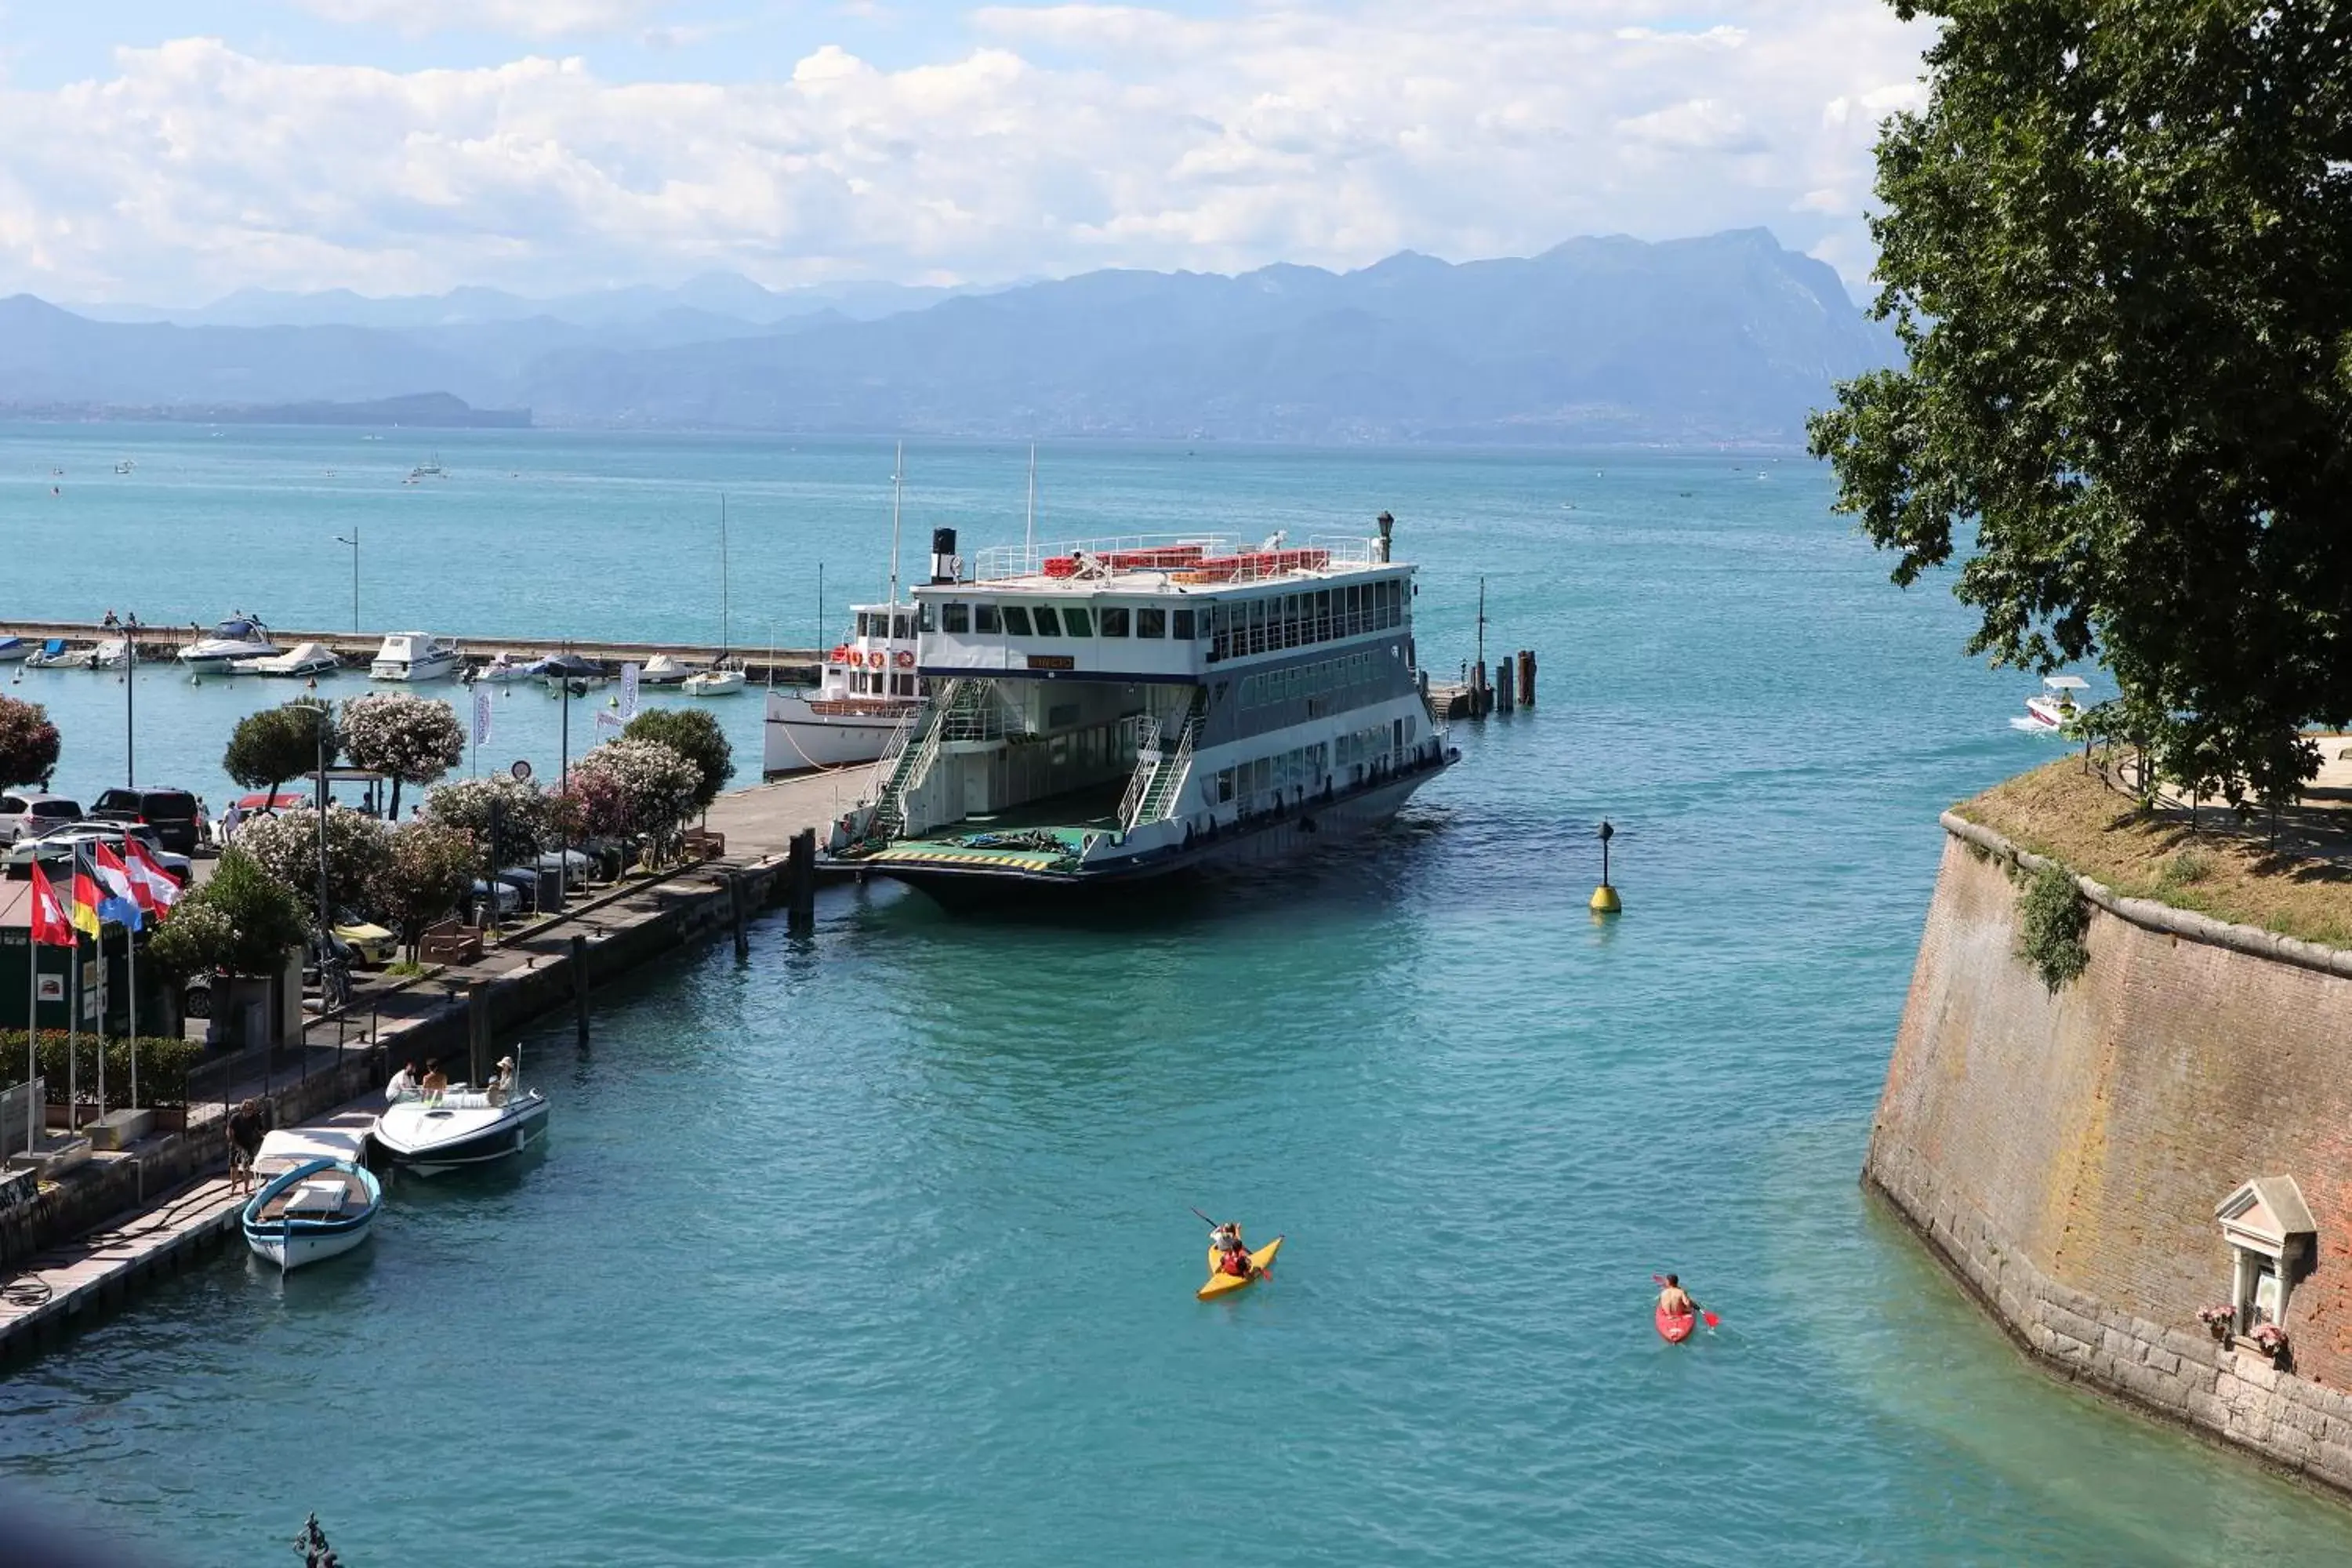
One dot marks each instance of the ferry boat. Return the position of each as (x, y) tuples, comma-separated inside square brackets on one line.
[(1103, 712), (866, 689)]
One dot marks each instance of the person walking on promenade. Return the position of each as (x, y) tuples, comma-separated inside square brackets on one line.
[(245, 1131)]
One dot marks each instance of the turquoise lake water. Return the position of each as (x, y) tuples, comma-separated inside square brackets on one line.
[(876, 1248)]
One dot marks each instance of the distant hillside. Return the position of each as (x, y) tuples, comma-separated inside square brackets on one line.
[(1727, 338)]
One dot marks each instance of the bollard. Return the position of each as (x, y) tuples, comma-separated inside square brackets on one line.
[(1527, 677), (1503, 687), (580, 986), (800, 870), (735, 909)]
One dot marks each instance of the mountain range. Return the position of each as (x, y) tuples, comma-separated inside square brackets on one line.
[(1725, 338)]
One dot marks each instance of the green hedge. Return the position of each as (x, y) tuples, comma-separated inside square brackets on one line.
[(164, 1067)]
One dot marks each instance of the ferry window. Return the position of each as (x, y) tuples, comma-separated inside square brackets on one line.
[(903, 684), (1151, 623), (1323, 615), (955, 619), (1049, 625), (1016, 621), (1182, 631), (1351, 619), (985, 619), (1292, 634), (899, 628), (1114, 622), (1218, 638), (1256, 626), (923, 617), (1077, 623), (1061, 715), (1224, 785)]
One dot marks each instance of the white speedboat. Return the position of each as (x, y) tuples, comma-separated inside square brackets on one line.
[(461, 1128), (239, 636), (721, 680), (14, 648), (663, 670), (304, 659), (111, 654), (2054, 707), (503, 669), (317, 1198), (415, 655)]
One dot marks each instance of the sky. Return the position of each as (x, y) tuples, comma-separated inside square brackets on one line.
[(169, 151)]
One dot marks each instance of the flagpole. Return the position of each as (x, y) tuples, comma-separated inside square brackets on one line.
[(32, 1039), (130, 984), (73, 1040)]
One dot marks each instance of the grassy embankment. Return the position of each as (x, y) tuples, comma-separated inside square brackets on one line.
[(2299, 886)]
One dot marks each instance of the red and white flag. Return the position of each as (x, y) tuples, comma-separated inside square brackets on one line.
[(154, 888), (51, 925)]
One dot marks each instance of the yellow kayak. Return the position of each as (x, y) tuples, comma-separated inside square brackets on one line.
[(1225, 1284)]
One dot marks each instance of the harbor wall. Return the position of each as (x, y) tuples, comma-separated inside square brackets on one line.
[(2063, 1151)]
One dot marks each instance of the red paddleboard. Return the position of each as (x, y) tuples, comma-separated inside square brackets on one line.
[(1675, 1327)]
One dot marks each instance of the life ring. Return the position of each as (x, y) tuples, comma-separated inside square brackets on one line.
[(840, 652), (905, 660), (875, 660)]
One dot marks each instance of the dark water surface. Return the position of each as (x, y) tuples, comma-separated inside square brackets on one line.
[(875, 1250)]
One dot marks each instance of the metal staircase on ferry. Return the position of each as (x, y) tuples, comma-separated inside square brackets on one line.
[(1156, 786), (966, 710)]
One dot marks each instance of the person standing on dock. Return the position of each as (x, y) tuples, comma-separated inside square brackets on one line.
[(244, 1142)]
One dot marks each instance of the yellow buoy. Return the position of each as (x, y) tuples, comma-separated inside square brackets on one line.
[(1605, 900)]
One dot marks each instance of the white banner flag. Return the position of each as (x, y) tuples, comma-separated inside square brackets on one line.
[(607, 720), (628, 690), (481, 715)]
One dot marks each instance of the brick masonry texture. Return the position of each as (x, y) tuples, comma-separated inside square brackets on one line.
[(2063, 1154)]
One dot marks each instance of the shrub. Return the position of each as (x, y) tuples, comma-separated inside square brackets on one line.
[(693, 733), (279, 743), (414, 738), (29, 743), (2052, 921), (164, 1066), (625, 787), (2186, 870), (244, 921), (287, 846), (526, 820), (426, 873)]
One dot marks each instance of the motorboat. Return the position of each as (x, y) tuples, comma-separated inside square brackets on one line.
[(239, 636), (50, 655), (663, 670), (501, 669), (415, 655), (719, 680), (12, 650), (558, 668), (319, 1199), (111, 654), (461, 1128), (304, 659), (2055, 706)]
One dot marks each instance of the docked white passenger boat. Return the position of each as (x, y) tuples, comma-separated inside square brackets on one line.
[(416, 656), (866, 689), (1108, 711)]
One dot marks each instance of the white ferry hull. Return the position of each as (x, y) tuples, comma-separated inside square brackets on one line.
[(800, 737)]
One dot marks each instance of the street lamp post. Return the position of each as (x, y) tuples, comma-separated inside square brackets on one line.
[(131, 703), (354, 542)]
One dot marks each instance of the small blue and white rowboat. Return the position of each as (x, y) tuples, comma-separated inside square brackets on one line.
[(321, 1208)]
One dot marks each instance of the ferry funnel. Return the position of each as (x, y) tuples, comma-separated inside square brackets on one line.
[(944, 565)]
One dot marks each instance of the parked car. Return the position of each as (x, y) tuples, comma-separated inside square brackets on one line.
[(509, 901), (368, 945), (172, 813), (55, 848), (28, 814)]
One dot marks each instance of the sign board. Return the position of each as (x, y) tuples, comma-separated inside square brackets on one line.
[(521, 771), (1051, 661), (53, 987)]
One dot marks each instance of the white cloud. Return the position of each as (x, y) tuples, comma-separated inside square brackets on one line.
[(513, 18), (1072, 137)]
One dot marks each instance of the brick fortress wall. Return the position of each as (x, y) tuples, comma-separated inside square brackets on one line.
[(2063, 1154)]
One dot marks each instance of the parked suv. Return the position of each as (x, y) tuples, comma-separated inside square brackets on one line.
[(25, 814), (172, 813)]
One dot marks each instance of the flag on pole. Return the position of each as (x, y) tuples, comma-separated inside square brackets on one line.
[(51, 926), (607, 720), (629, 691), (118, 897), (156, 888), (86, 899), (481, 715)]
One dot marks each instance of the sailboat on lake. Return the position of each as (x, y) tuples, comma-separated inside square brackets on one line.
[(721, 679)]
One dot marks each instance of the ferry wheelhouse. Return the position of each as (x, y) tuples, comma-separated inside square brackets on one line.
[(866, 689), (1117, 709)]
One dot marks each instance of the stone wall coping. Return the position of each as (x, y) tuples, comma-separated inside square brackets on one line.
[(2148, 914)]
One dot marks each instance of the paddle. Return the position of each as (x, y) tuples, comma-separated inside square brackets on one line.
[(1710, 1318)]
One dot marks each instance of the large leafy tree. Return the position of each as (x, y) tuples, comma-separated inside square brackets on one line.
[(524, 819), (242, 920), (279, 743), (414, 738), (287, 846), (627, 787), (693, 733), (428, 874), (2118, 244), (29, 743)]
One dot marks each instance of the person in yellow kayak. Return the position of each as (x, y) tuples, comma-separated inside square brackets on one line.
[(1673, 1301), (1233, 1258)]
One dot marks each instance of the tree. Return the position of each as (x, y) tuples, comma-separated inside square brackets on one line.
[(279, 743), (526, 818), (695, 735), (627, 787), (29, 743), (243, 920), (287, 846), (2116, 243), (427, 873), (414, 738)]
